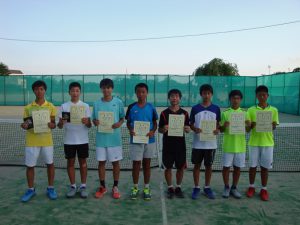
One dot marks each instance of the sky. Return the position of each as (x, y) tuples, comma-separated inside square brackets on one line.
[(253, 51)]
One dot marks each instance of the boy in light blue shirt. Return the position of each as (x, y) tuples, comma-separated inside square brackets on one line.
[(108, 145)]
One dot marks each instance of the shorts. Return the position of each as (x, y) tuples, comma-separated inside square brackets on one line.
[(174, 154), (112, 154), (234, 159), (82, 151), (261, 156), (138, 152), (32, 155), (208, 155)]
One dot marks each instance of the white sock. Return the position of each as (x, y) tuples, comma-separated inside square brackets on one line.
[(146, 185), (251, 185), (171, 186), (206, 186), (178, 185), (32, 188), (135, 185), (264, 188), (73, 185), (82, 185), (197, 186)]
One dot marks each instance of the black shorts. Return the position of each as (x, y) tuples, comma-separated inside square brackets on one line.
[(81, 150), (174, 154), (207, 154)]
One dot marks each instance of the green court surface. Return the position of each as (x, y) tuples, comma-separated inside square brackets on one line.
[(283, 207)]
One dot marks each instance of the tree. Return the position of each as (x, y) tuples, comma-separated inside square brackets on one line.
[(296, 69), (4, 71), (217, 67)]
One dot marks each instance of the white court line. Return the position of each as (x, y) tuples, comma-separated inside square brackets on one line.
[(163, 204)]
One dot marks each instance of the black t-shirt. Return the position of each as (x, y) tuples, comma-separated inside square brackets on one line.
[(164, 120)]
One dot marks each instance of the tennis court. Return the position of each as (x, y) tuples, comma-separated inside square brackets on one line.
[(283, 207)]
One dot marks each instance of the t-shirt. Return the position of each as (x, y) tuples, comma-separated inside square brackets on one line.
[(116, 106), (233, 143), (170, 141), (262, 138), (75, 134), (146, 113), (39, 139), (198, 113)]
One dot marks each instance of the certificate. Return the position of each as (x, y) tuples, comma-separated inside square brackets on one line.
[(141, 129), (76, 114), (41, 119), (106, 120), (176, 125), (264, 121), (208, 127), (237, 123)]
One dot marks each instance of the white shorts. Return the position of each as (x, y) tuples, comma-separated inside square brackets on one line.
[(32, 155), (112, 154), (234, 159), (261, 156), (139, 152)]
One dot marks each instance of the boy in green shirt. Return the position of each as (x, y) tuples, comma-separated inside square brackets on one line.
[(234, 143), (261, 143)]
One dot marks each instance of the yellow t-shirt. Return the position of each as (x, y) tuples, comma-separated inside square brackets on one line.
[(40, 139)]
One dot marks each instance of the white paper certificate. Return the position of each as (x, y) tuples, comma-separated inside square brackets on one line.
[(264, 121), (141, 129), (237, 123), (208, 127), (176, 125), (106, 120), (76, 114), (41, 119)]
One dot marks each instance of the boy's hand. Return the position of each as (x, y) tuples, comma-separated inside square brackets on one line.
[(248, 123), (96, 122), (116, 125), (24, 126), (226, 124), (165, 128), (51, 125), (197, 130), (253, 124), (216, 132), (85, 121), (151, 133), (274, 124), (131, 132), (187, 129)]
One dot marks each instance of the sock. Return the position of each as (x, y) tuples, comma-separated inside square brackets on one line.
[(116, 182), (102, 182), (82, 185), (73, 186), (32, 188), (197, 187), (136, 185), (251, 185), (233, 187), (146, 185), (206, 186), (226, 186), (50, 187), (178, 185), (171, 186), (264, 188)]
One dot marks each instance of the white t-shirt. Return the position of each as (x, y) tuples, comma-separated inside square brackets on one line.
[(75, 134)]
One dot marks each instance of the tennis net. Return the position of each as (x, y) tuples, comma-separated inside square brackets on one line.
[(12, 144)]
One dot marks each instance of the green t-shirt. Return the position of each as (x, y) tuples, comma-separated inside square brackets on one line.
[(233, 143), (263, 138)]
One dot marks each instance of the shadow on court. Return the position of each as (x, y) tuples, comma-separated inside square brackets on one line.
[(283, 207)]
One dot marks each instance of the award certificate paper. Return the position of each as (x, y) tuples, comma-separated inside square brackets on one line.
[(106, 120), (41, 119), (264, 121), (76, 114), (176, 125), (208, 127), (141, 129), (237, 123)]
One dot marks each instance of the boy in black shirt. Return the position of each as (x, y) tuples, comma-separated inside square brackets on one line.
[(174, 148)]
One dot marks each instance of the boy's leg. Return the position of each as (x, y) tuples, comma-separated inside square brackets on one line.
[(196, 174), (136, 166), (197, 158), (83, 170), (208, 161), (30, 176), (146, 170), (83, 153), (116, 172), (225, 174), (236, 176), (71, 170), (266, 164), (168, 176), (51, 174), (254, 156), (179, 176), (101, 173)]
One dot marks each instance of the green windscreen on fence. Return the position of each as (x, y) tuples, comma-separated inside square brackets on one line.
[(283, 89)]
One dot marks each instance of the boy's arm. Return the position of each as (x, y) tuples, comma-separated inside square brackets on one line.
[(162, 126), (52, 124), (24, 125), (152, 132), (192, 123), (118, 124)]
